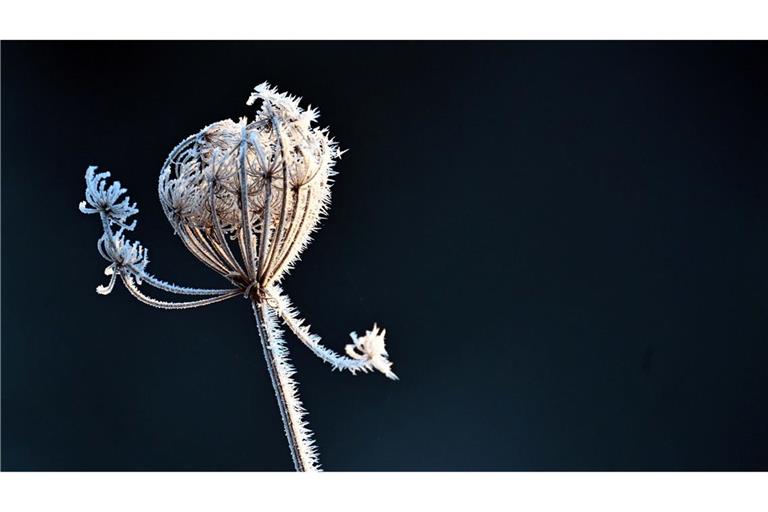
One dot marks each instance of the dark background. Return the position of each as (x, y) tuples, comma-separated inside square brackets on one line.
[(567, 243)]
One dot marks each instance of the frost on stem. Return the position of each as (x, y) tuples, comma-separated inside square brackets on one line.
[(244, 197), (366, 353), (303, 448)]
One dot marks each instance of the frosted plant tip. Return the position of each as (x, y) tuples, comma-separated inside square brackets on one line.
[(372, 347)]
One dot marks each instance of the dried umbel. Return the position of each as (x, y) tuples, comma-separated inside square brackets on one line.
[(244, 197)]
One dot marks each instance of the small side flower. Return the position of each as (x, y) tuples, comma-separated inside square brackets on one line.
[(105, 200), (126, 257), (124, 254), (128, 260), (371, 347)]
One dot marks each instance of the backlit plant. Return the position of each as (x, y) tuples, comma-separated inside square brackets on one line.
[(244, 197)]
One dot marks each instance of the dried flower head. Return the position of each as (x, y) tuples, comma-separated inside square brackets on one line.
[(244, 197), (370, 348), (102, 200)]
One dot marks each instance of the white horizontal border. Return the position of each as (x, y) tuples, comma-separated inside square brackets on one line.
[(474, 492), (394, 19), (389, 19)]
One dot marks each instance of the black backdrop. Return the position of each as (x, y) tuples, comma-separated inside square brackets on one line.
[(567, 243)]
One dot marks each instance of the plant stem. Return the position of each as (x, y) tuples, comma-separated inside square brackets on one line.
[(284, 387)]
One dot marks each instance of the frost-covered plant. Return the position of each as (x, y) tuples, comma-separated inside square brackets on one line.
[(244, 198)]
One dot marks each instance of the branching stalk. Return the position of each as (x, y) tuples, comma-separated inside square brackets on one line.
[(208, 186)]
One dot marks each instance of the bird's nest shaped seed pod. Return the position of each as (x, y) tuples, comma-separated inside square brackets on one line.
[(288, 165)]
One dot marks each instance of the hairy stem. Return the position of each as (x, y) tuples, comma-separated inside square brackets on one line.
[(289, 315), (280, 370)]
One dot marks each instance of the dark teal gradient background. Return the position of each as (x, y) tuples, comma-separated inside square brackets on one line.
[(567, 243)]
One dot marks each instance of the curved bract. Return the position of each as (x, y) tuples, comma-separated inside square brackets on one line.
[(244, 197)]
